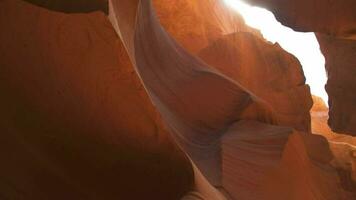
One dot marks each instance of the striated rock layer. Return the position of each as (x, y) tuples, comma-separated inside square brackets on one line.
[(261, 161), (250, 150)]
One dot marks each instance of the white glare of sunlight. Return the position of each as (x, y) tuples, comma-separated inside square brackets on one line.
[(304, 46)]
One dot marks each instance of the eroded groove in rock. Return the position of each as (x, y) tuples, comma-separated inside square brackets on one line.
[(73, 6), (197, 102), (250, 151)]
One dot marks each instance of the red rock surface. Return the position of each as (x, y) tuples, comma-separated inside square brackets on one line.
[(88, 113), (250, 151), (268, 72), (261, 161), (75, 120), (303, 174), (343, 147), (199, 104), (340, 57)]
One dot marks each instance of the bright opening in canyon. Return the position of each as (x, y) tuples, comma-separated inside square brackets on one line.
[(304, 46)]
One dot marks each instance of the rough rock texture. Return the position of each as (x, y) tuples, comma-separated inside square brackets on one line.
[(342, 146), (271, 74), (75, 120), (340, 55)]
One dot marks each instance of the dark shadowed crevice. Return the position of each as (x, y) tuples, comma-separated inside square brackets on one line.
[(73, 6)]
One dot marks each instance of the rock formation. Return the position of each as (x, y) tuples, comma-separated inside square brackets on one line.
[(196, 24), (76, 121), (335, 23), (156, 100), (332, 17), (272, 75), (340, 64), (343, 147)]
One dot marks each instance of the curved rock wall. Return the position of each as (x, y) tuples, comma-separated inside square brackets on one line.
[(75, 119)]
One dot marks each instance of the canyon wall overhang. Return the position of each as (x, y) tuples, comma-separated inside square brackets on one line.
[(335, 23)]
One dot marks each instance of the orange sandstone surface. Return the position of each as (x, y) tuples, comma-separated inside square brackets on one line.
[(157, 100), (76, 122)]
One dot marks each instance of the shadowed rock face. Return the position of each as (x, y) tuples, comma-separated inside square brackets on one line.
[(340, 57), (73, 6), (75, 121)]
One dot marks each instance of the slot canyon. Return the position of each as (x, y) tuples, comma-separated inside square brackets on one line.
[(174, 100)]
